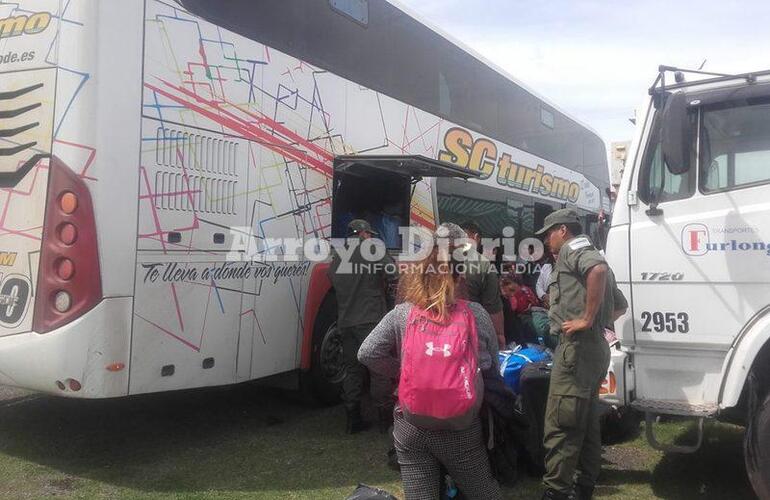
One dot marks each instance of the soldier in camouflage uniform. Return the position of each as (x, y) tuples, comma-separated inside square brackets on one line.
[(582, 292), (361, 304)]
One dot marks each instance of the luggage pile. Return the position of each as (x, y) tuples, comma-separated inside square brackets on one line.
[(526, 370)]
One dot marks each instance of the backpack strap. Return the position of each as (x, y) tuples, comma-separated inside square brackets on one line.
[(414, 314), (470, 321), (462, 305), (417, 315)]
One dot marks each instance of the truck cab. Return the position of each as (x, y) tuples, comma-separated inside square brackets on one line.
[(690, 246)]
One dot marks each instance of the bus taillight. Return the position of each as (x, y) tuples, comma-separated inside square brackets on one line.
[(69, 280)]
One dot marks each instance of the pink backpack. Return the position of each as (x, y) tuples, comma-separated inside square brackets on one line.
[(440, 385)]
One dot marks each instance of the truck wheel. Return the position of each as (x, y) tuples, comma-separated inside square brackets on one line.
[(620, 424), (327, 370), (756, 449)]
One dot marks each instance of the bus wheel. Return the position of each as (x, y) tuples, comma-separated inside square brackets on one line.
[(756, 449), (328, 369)]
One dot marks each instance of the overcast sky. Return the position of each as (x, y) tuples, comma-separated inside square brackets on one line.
[(596, 59)]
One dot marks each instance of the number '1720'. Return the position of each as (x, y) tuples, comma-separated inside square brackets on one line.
[(662, 276)]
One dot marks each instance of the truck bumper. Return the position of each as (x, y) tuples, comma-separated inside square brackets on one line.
[(619, 382)]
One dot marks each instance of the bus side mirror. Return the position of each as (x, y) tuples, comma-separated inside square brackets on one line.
[(675, 130)]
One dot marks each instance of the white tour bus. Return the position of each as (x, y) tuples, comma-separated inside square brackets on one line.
[(690, 243), (137, 137)]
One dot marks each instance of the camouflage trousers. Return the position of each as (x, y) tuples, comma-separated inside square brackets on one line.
[(356, 374), (572, 437)]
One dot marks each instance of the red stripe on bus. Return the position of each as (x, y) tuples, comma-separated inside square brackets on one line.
[(237, 124), (423, 221)]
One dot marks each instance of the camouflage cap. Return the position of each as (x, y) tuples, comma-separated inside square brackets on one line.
[(563, 216), (359, 226)]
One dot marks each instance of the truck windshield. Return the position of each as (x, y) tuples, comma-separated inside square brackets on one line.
[(735, 147)]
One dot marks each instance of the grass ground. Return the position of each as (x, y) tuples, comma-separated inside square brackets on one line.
[(247, 442)]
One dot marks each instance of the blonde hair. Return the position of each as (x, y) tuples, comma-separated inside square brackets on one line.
[(430, 285)]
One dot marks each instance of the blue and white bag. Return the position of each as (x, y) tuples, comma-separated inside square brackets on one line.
[(511, 362)]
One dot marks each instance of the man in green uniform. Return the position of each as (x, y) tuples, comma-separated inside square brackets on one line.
[(361, 286), (581, 291), (480, 282)]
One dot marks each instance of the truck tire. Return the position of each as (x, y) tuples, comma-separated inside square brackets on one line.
[(327, 369), (620, 424), (756, 449)]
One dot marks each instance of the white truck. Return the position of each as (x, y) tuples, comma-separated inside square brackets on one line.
[(690, 245)]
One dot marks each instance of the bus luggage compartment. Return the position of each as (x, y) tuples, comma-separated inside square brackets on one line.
[(379, 190)]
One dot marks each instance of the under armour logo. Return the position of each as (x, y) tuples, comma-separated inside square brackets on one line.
[(430, 349)]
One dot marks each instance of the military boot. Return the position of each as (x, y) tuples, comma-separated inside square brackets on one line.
[(393, 460), (583, 492), (355, 422), (385, 419), (551, 494)]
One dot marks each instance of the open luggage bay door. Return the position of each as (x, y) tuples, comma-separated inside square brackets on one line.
[(379, 188), (415, 166)]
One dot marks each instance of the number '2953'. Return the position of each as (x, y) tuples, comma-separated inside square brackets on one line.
[(671, 322)]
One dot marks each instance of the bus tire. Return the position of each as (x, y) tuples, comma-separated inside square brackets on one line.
[(756, 449), (327, 369)]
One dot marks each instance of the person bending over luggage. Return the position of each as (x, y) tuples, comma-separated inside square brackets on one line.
[(521, 297), (443, 343), (521, 300)]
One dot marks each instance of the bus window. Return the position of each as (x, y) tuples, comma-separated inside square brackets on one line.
[(490, 208), (382, 57), (591, 228), (541, 212), (357, 10)]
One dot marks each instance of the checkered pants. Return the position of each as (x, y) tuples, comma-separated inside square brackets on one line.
[(422, 452)]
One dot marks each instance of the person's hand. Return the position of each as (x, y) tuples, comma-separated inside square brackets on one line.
[(575, 325), (501, 342), (546, 301)]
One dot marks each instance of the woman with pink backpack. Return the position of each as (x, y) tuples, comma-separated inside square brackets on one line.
[(443, 344)]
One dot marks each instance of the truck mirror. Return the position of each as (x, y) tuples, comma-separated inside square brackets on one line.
[(675, 130)]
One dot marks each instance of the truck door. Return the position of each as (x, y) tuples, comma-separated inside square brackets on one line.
[(698, 249)]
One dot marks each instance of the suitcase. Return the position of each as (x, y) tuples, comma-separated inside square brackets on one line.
[(533, 397), (512, 363)]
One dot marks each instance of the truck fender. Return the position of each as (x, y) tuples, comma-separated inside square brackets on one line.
[(318, 288), (741, 356)]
